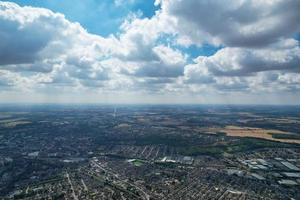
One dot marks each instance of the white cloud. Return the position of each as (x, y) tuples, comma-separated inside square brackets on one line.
[(37, 40), (239, 23), (139, 52), (232, 61), (42, 51)]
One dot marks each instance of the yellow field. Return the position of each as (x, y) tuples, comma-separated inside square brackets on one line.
[(236, 131), (13, 122), (124, 125)]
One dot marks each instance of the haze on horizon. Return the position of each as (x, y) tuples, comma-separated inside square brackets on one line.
[(162, 51)]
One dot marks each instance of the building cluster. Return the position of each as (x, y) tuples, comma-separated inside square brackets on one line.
[(141, 153)]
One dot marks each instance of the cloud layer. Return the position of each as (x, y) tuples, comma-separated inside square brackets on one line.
[(240, 23), (43, 52)]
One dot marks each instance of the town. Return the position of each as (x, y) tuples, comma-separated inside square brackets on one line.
[(149, 152)]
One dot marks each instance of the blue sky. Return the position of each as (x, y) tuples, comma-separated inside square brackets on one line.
[(191, 51), (104, 17), (101, 17)]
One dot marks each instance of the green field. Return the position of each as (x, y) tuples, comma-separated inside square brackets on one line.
[(137, 162)]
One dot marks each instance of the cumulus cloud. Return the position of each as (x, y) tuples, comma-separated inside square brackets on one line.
[(256, 36), (240, 23), (19, 42), (5, 80), (38, 40), (232, 61), (165, 62), (196, 74), (41, 49), (139, 48)]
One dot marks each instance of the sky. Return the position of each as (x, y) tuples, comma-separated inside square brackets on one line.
[(150, 51)]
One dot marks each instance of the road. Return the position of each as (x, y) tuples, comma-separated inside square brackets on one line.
[(147, 196), (72, 188)]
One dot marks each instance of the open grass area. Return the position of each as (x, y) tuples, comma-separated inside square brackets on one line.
[(137, 162)]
